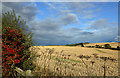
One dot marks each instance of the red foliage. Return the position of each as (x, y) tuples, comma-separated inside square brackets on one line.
[(12, 48)]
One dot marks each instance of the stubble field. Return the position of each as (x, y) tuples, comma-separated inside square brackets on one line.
[(75, 61)]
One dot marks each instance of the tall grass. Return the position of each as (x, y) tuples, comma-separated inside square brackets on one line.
[(52, 63), (49, 62)]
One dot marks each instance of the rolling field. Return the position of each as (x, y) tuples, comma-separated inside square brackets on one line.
[(75, 61), (112, 44)]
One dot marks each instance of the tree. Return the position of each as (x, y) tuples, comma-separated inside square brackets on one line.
[(16, 41), (118, 47), (98, 46), (107, 46)]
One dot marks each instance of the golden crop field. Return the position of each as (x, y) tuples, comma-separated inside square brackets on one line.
[(75, 61)]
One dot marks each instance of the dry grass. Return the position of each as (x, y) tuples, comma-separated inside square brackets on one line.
[(74, 61)]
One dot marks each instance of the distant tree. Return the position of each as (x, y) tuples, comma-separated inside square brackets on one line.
[(82, 45), (107, 46), (98, 46), (118, 47)]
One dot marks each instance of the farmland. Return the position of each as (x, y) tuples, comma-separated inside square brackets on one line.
[(75, 61)]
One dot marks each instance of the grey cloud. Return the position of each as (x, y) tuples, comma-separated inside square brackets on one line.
[(50, 24), (105, 30), (45, 25), (27, 12), (50, 31), (13, 5), (78, 6), (78, 31), (99, 24), (72, 34), (68, 19), (87, 33), (74, 29), (52, 38)]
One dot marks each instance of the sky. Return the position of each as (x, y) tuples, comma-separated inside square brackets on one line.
[(60, 23)]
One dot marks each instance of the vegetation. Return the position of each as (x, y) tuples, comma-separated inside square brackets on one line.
[(16, 41), (101, 51), (98, 46), (107, 46), (52, 63), (90, 46), (81, 44), (118, 47)]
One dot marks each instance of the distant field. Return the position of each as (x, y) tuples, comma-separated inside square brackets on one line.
[(112, 44), (66, 60)]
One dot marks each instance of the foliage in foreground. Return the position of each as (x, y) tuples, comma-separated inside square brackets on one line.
[(15, 44)]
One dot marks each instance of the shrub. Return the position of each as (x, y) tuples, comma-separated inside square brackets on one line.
[(16, 43), (98, 46), (107, 46), (82, 45), (89, 46), (118, 47)]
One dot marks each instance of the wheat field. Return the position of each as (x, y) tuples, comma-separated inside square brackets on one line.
[(75, 61)]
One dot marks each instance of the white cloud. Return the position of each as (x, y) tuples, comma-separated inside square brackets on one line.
[(51, 31), (52, 6), (117, 39), (84, 9)]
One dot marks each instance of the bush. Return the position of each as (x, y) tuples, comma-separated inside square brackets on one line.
[(81, 44), (98, 46), (118, 47), (16, 43), (107, 46), (90, 46)]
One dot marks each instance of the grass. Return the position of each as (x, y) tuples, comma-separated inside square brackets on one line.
[(101, 51), (66, 60), (60, 66)]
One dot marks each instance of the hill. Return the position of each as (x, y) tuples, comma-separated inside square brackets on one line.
[(112, 44)]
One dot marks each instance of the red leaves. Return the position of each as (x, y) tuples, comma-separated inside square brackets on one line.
[(11, 31), (16, 61), (10, 51), (12, 48)]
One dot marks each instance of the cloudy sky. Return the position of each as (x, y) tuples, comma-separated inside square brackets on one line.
[(59, 23)]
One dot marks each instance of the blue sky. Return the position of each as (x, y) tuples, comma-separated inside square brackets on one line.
[(60, 23)]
